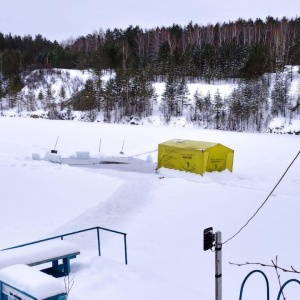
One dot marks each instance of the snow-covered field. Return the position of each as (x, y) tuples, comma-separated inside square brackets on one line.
[(164, 218)]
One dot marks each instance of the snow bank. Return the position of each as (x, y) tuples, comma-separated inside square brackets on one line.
[(39, 252), (282, 125), (31, 281)]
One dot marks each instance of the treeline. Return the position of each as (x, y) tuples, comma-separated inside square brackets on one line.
[(126, 98), (20, 54), (120, 97), (236, 49), (243, 50), (229, 50)]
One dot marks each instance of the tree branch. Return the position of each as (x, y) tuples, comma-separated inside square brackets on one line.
[(293, 270), (278, 275)]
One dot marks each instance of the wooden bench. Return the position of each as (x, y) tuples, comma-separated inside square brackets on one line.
[(41, 253)]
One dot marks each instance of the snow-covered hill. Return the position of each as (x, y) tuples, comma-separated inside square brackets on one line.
[(40, 82)]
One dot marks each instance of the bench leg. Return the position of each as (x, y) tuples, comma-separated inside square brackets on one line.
[(66, 262), (55, 264)]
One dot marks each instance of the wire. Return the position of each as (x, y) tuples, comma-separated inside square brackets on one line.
[(264, 201)]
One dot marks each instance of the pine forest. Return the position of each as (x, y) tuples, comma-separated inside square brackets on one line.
[(261, 58)]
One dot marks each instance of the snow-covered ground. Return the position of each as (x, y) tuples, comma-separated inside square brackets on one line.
[(164, 218)]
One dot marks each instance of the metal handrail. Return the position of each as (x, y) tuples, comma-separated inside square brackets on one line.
[(284, 285), (76, 232), (267, 283), (246, 278)]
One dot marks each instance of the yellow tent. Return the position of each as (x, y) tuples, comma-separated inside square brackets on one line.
[(194, 156)]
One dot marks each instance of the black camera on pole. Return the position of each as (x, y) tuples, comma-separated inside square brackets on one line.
[(208, 238)]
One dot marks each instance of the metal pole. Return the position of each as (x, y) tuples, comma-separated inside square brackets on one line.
[(218, 262), (122, 147), (125, 246), (98, 236), (56, 143)]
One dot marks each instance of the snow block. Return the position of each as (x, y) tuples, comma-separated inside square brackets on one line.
[(47, 156), (55, 158), (82, 154), (35, 156), (149, 159)]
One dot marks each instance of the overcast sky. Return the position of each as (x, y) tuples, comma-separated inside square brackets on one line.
[(62, 19)]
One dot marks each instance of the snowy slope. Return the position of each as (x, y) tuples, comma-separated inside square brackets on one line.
[(163, 218), (39, 82)]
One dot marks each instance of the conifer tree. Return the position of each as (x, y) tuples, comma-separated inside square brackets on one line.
[(40, 98), (49, 99), (169, 103), (235, 110), (99, 91), (198, 106), (31, 100), (2, 92), (89, 98), (19, 101), (218, 109), (279, 95), (207, 108), (108, 99), (62, 97), (182, 96)]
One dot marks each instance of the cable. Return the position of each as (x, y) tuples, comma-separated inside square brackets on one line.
[(264, 201)]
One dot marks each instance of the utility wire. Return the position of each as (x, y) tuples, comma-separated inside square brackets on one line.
[(264, 201)]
